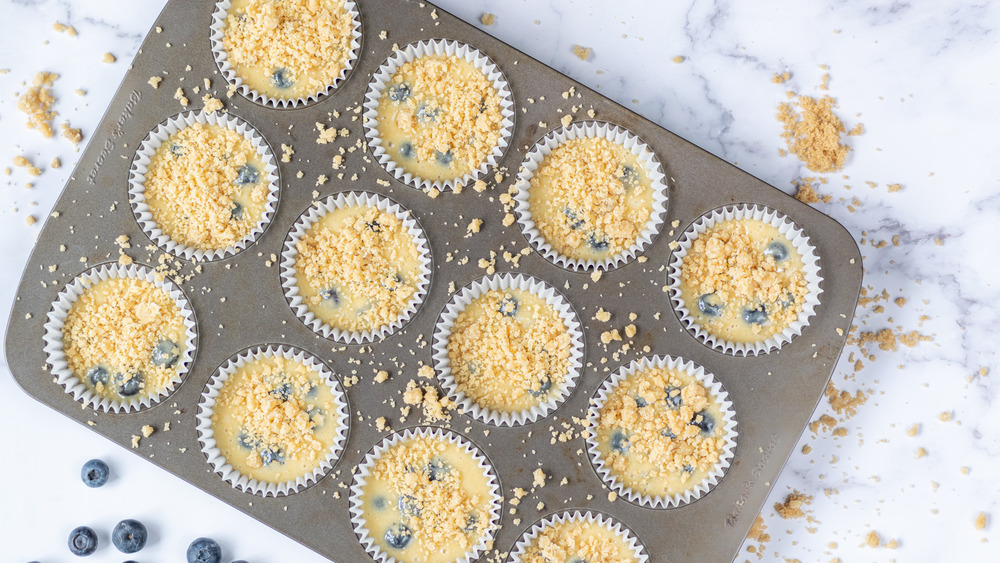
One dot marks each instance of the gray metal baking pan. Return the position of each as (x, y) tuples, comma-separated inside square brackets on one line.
[(773, 394)]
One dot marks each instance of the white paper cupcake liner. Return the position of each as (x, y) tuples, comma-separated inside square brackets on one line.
[(56, 320), (140, 166), (206, 435), (446, 48), (787, 228), (568, 516), (615, 134), (715, 391), (458, 303), (290, 252), (364, 469), (222, 60)]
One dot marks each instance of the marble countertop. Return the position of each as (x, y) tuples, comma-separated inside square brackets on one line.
[(922, 79)]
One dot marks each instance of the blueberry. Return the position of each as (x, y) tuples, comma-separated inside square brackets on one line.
[(709, 306), (269, 456), (247, 174), (508, 306), (597, 242), (688, 469), (177, 150), (673, 397), (374, 226), (406, 150), (482, 104), (330, 295), (776, 250), (380, 503), (82, 541), (315, 416), (472, 368), (97, 374), (408, 506), (236, 213), (787, 301), (629, 176), (393, 283), (577, 559), (438, 469), (204, 550), (619, 442), (640, 402), (703, 421), (94, 473), (573, 219), (398, 536), (131, 385), (246, 441), (425, 114), (755, 316), (129, 536), (544, 386), (443, 158), (166, 354), (470, 522), (399, 92), (282, 392), (280, 78)]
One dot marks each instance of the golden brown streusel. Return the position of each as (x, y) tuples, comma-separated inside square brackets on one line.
[(570, 541)]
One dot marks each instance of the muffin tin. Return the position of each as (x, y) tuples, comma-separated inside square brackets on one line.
[(239, 301)]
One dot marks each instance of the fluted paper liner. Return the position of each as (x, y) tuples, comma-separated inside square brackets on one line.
[(617, 135), (458, 303), (206, 435), (55, 354), (715, 391), (222, 60), (570, 516), (140, 166), (290, 252), (363, 471), (787, 228), (438, 47)]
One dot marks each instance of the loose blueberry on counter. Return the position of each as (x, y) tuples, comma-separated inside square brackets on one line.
[(247, 174), (399, 92), (280, 79), (330, 296), (129, 536), (94, 473), (82, 541), (544, 386), (443, 158), (619, 442), (204, 550), (236, 213), (597, 242), (709, 306), (673, 397), (629, 176), (166, 354), (282, 392), (509, 306), (97, 374), (426, 114), (703, 421), (408, 506), (573, 219), (177, 150), (269, 456), (406, 150), (438, 469), (776, 250), (755, 316), (380, 503), (398, 536), (130, 387)]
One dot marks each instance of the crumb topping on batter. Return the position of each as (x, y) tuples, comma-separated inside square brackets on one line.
[(124, 338), (573, 541), (509, 350)]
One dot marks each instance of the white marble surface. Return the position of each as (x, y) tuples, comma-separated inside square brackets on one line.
[(922, 77)]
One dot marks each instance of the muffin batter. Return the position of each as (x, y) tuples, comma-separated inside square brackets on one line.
[(590, 198), (288, 49), (509, 350), (743, 281), (659, 432), (357, 268), (275, 419), (206, 187), (427, 501), (124, 339), (578, 541), (439, 117)]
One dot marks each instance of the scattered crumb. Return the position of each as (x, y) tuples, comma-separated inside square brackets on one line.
[(678, 59), (154, 81), (872, 539), (74, 135), (108, 58), (582, 52), (980, 521), (539, 479), (781, 78), (37, 102), (792, 507), (812, 132), (488, 19), (921, 452), (212, 105), (147, 431)]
